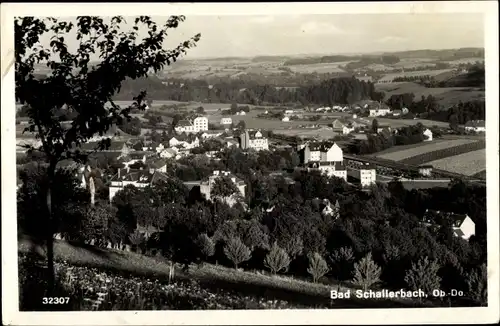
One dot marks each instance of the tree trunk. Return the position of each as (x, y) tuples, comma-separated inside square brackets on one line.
[(50, 231)]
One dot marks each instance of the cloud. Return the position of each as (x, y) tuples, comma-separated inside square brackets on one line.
[(392, 39), (321, 28)]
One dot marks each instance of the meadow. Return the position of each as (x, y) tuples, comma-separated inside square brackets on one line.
[(468, 163), (319, 68), (444, 96), (107, 279), (424, 148), (391, 76), (321, 133)]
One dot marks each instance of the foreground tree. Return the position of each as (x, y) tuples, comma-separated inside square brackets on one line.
[(317, 267), (277, 259), (206, 245), (77, 85), (477, 284), (423, 275), (236, 251), (366, 272)]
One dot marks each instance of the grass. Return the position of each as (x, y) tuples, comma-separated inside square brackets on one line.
[(322, 133), (480, 175), (445, 96), (468, 163), (444, 153), (391, 76), (426, 147), (209, 276), (395, 149)]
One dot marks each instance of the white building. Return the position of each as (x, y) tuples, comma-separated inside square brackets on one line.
[(289, 111), (331, 169), (241, 113), (379, 111), (206, 186), (366, 174), (226, 121), (462, 225), (211, 134), (253, 139), (168, 153), (476, 125), (197, 125), (428, 135), (322, 152), (137, 178), (341, 127), (285, 119)]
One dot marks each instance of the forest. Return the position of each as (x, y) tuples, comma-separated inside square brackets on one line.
[(279, 217)]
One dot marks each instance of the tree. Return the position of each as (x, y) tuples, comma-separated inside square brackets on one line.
[(478, 285), (423, 275), (236, 251), (241, 125), (223, 188), (293, 245), (317, 266), (206, 245), (341, 262), (200, 110), (277, 259), (375, 126), (366, 272), (81, 86)]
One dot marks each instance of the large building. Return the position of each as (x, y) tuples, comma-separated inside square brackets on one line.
[(206, 186), (321, 152), (137, 178), (331, 169), (366, 174), (226, 121), (197, 125), (253, 139)]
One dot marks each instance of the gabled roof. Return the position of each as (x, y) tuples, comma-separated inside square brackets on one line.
[(158, 163), (140, 176), (184, 123), (320, 146)]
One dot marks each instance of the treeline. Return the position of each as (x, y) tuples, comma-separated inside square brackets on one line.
[(379, 141), (384, 223), (384, 59), (332, 91)]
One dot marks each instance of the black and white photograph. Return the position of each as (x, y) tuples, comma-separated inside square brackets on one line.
[(252, 163)]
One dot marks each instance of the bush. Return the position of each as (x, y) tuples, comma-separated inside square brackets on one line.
[(236, 251), (366, 272), (277, 259), (317, 267)]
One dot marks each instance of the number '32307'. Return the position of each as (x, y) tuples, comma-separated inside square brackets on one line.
[(55, 300)]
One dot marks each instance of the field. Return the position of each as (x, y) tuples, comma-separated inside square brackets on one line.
[(322, 133), (467, 163), (445, 96), (424, 148), (207, 286), (319, 68), (465, 61), (391, 76)]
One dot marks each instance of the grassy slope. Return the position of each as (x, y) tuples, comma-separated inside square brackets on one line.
[(216, 277)]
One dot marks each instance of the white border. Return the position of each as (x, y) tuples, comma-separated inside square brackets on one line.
[(10, 313)]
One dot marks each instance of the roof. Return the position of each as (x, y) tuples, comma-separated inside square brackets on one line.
[(320, 146), (476, 123), (158, 163), (238, 181), (367, 166), (337, 124), (456, 219), (140, 176), (337, 165), (184, 123)]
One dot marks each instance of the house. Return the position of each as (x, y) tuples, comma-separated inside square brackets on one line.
[(241, 113), (137, 178), (331, 169), (226, 121), (366, 174), (231, 142), (405, 111), (476, 126), (321, 152), (425, 170), (158, 165), (285, 119), (461, 224), (132, 158), (253, 139), (197, 125), (397, 113), (207, 185), (379, 111), (168, 153), (289, 111), (211, 134), (341, 127), (427, 135)]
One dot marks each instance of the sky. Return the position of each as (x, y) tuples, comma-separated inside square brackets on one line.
[(228, 36)]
